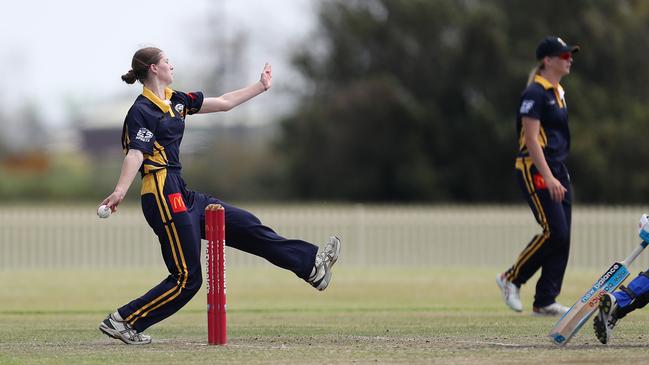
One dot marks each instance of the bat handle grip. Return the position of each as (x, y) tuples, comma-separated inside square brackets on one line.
[(635, 253)]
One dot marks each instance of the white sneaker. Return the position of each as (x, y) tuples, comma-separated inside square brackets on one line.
[(121, 330), (324, 260), (510, 293), (605, 319), (552, 310)]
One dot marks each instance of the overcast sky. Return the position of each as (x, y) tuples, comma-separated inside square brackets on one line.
[(53, 51)]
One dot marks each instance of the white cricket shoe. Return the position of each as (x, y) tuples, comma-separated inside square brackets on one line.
[(552, 310), (324, 260), (605, 319), (510, 292), (121, 330)]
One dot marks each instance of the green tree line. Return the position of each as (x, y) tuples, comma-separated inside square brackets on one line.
[(415, 100)]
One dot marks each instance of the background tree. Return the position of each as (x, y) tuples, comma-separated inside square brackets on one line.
[(416, 100)]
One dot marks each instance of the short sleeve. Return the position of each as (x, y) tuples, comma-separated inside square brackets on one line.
[(192, 101), (531, 103), (140, 131)]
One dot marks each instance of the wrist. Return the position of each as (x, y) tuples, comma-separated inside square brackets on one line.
[(548, 178), (263, 87)]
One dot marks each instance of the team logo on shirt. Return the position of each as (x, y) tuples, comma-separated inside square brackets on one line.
[(179, 108), (526, 106), (144, 135)]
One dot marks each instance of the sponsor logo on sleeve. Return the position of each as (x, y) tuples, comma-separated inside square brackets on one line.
[(144, 135), (179, 108), (526, 106)]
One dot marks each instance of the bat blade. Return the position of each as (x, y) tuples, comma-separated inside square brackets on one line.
[(570, 323)]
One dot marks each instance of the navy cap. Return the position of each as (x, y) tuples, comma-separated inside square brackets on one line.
[(553, 46)]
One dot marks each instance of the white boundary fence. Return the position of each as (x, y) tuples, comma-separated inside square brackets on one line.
[(60, 236)]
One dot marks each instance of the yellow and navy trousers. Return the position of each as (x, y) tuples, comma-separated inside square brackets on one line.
[(549, 249), (177, 216)]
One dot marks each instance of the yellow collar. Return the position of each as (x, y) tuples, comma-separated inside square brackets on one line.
[(546, 84), (164, 105), (558, 91)]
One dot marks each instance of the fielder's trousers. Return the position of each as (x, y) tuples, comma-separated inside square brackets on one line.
[(548, 250)]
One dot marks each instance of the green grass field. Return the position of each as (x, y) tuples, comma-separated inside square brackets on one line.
[(367, 316)]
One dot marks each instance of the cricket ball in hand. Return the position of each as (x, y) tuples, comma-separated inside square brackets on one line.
[(103, 211)]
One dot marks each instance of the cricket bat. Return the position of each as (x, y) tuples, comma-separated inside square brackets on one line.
[(570, 323)]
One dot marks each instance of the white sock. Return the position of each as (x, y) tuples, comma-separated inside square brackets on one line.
[(117, 316)]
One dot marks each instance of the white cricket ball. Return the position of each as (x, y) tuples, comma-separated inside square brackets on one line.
[(103, 211)]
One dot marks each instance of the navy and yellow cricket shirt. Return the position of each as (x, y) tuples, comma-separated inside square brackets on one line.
[(542, 101), (155, 127)]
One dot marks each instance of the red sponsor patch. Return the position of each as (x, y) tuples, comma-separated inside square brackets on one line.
[(177, 203), (192, 96), (539, 182)]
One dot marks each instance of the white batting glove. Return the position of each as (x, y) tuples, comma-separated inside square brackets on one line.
[(643, 227)]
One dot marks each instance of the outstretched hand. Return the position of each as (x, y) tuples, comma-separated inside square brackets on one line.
[(267, 76)]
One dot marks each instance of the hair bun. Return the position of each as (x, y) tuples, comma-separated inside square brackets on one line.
[(142, 60), (129, 77)]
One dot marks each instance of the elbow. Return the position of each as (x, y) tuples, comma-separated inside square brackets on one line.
[(227, 107), (136, 155), (227, 104), (220, 104), (530, 142)]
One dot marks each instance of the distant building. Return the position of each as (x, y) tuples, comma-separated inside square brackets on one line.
[(100, 126)]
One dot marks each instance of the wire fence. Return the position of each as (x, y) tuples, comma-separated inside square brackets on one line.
[(60, 236)]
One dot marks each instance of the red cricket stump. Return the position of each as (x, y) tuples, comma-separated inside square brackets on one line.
[(215, 263)]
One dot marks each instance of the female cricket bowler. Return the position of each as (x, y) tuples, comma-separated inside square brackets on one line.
[(544, 143), (151, 136)]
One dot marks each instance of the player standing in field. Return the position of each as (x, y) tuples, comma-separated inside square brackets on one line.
[(544, 142), (615, 306), (153, 130)]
